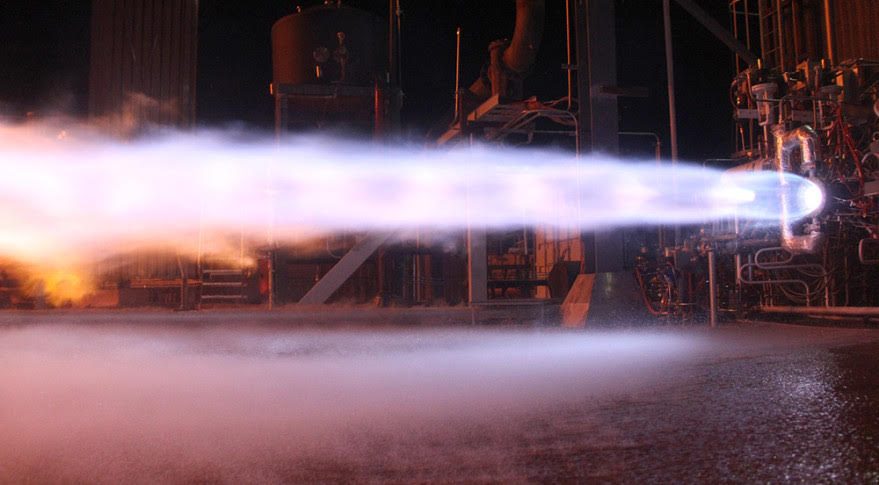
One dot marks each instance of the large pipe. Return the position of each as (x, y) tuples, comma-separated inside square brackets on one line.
[(670, 74), (850, 311), (568, 51), (519, 55), (522, 51), (457, 75), (806, 140), (672, 113)]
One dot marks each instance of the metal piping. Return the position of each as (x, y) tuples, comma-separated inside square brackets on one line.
[(568, 50), (672, 113), (670, 73), (457, 75), (779, 29), (719, 31), (712, 289), (526, 38), (803, 138), (847, 311), (517, 57), (751, 281), (828, 32), (806, 140)]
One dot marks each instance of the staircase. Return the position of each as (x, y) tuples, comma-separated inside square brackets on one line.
[(223, 277), (221, 283)]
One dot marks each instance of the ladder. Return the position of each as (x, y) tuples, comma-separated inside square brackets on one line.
[(771, 33), (223, 285), (780, 41), (223, 279), (741, 14)]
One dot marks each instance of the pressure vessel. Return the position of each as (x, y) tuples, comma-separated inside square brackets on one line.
[(329, 44)]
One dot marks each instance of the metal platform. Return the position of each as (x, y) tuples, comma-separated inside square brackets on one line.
[(496, 120)]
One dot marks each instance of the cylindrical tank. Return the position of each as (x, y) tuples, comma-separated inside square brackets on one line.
[(329, 44)]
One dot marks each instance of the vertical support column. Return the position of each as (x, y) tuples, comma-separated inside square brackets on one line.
[(828, 33), (601, 62), (779, 33), (270, 269), (477, 253), (672, 111), (738, 302), (672, 124), (712, 288), (477, 265), (282, 121), (599, 127), (761, 12)]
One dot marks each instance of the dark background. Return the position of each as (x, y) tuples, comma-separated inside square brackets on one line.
[(44, 50)]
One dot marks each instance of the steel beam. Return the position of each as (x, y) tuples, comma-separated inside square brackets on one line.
[(595, 28), (597, 74), (721, 33), (477, 265), (336, 277)]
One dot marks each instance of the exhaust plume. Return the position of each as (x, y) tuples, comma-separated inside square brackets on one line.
[(75, 192)]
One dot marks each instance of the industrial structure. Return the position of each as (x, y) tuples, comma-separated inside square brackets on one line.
[(143, 64), (329, 85), (805, 100)]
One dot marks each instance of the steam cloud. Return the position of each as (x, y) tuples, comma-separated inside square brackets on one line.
[(171, 402), (255, 398)]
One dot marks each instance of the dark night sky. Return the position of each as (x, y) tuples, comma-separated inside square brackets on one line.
[(44, 62)]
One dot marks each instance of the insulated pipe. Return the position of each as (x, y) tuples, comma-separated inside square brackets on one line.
[(805, 139), (522, 51), (520, 54)]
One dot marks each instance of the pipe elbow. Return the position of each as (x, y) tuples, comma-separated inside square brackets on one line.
[(807, 139), (804, 138), (520, 55)]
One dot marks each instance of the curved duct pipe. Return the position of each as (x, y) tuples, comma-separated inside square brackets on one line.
[(803, 138), (806, 140), (522, 51), (510, 61)]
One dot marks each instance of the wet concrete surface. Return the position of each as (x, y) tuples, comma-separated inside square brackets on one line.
[(270, 398)]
